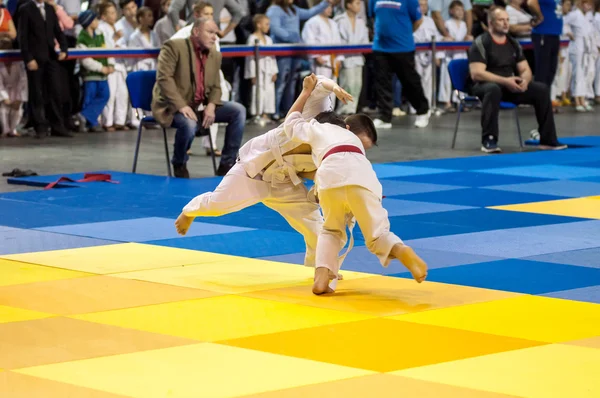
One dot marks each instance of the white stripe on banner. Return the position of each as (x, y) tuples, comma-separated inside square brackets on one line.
[(388, 4)]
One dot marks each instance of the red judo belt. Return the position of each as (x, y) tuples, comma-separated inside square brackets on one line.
[(87, 177), (341, 149)]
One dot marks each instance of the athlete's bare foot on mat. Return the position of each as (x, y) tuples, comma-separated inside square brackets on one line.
[(182, 224), (411, 260), (321, 284)]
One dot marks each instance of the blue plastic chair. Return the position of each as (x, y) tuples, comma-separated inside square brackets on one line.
[(458, 69), (140, 85)]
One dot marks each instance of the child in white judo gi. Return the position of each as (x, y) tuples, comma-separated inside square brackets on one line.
[(322, 30), (269, 170), (13, 92), (353, 30), (580, 53), (114, 115), (267, 69), (562, 81), (346, 184), (424, 59), (144, 37), (457, 29)]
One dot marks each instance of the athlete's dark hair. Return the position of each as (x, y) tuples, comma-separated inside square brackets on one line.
[(332, 118), (362, 124)]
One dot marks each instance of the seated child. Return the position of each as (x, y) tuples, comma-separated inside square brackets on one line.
[(346, 184)]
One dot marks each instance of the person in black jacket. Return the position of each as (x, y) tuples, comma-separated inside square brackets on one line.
[(38, 28)]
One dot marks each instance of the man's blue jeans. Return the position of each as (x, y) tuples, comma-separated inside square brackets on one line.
[(232, 113)]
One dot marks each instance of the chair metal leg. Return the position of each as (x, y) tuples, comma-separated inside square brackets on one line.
[(167, 152), (137, 148), (214, 158), (518, 128), (460, 106)]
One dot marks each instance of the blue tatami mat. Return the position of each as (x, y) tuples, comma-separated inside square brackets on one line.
[(469, 179), (582, 258), (530, 277), (142, 183), (399, 207), (590, 294), (393, 187), (565, 188), (479, 197), (585, 230), (408, 229), (489, 219), (504, 243), (387, 171), (141, 229), (258, 243), (26, 240), (20, 214), (550, 171)]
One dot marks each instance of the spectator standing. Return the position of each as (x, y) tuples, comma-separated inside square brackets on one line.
[(394, 49), (267, 69), (285, 20), (95, 72), (163, 27), (353, 30), (547, 27), (38, 30), (114, 115)]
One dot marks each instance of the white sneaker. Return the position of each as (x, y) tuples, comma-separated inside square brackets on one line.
[(534, 134), (422, 120), (398, 112), (380, 124)]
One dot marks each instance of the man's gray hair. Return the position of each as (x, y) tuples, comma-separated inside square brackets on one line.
[(492, 12), (200, 22)]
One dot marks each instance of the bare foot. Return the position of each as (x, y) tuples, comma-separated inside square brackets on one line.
[(182, 224), (411, 260), (321, 284)]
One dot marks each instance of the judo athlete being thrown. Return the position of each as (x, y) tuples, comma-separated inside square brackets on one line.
[(346, 185), (269, 170)]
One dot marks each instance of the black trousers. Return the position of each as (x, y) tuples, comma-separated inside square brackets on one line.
[(537, 94), (45, 99), (403, 65), (546, 49)]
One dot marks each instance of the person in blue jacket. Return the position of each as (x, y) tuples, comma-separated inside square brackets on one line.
[(548, 26), (394, 49), (285, 20)]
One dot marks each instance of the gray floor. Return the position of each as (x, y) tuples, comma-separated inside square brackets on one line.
[(114, 151)]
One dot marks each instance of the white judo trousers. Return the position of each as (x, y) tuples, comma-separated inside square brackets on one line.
[(238, 191), (115, 111), (372, 218)]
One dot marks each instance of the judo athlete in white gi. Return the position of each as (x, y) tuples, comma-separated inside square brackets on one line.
[(424, 59), (322, 30), (267, 69), (269, 170), (114, 115), (457, 29), (13, 93), (346, 185), (144, 37), (353, 30), (580, 54)]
